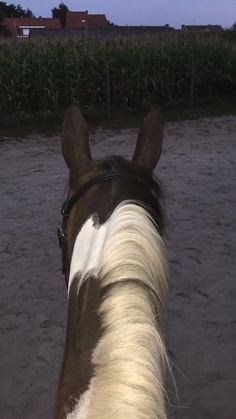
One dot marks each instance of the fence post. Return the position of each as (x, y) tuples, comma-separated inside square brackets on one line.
[(108, 87), (192, 82)]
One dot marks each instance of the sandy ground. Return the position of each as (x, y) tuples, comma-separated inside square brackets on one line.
[(197, 171)]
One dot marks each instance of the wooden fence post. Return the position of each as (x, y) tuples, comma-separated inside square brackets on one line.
[(192, 80), (108, 87)]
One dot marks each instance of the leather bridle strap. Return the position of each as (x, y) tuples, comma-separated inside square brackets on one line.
[(70, 202)]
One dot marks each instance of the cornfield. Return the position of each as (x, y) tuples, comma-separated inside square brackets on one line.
[(47, 75)]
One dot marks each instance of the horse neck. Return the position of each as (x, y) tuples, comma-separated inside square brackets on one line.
[(125, 358)]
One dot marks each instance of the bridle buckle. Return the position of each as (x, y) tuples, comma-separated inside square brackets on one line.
[(61, 236)]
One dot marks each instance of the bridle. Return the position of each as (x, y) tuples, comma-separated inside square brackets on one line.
[(69, 204)]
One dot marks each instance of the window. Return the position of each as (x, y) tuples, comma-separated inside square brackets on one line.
[(26, 32)]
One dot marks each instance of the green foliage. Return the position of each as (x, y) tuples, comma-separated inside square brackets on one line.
[(47, 75), (14, 11), (230, 34), (60, 12)]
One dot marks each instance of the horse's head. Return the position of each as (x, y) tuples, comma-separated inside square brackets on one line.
[(113, 257), (97, 187)]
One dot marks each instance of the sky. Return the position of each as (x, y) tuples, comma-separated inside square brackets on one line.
[(147, 12)]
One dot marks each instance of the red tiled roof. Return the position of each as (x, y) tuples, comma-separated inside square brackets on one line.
[(83, 20), (97, 21), (77, 20), (13, 24), (9, 23)]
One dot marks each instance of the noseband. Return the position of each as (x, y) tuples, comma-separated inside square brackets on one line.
[(69, 204)]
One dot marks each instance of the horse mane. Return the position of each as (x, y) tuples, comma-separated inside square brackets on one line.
[(129, 359)]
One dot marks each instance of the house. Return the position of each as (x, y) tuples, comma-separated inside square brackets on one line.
[(84, 20), (22, 27), (201, 28)]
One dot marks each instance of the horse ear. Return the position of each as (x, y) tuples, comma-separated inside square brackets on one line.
[(75, 140), (149, 142)]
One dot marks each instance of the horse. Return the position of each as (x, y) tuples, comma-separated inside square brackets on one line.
[(114, 260)]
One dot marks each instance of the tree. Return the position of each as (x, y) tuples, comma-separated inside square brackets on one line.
[(60, 12), (111, 24), (14, 11), (11, 11)]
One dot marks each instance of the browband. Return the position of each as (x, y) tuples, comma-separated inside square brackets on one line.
[(70, 202)]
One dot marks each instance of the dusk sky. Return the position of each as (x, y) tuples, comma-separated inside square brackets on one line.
[(147, 12)]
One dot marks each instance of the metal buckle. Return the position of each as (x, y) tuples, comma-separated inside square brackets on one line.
[(61, 236)]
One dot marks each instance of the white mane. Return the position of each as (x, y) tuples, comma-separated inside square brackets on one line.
[(130, 358)]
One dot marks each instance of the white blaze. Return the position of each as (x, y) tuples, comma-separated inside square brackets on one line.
[(88, 249)]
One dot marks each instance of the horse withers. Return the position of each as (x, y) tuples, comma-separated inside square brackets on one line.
[(114, 263)]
